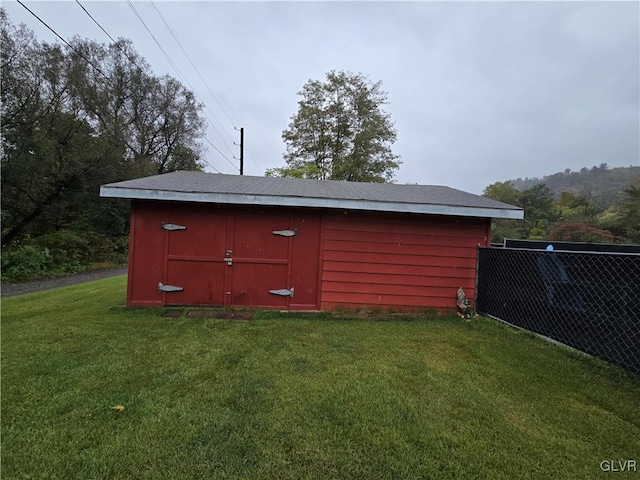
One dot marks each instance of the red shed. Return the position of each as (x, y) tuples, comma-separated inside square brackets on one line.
[(286, 243)]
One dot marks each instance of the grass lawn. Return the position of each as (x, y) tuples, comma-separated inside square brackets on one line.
[(286, 396)]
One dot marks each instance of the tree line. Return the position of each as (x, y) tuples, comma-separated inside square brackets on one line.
[(568, 216), (74, 117)]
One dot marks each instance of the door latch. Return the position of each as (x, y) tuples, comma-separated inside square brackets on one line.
[(228, 261)]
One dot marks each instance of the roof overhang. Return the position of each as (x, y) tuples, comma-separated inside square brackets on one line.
[(309, 202)]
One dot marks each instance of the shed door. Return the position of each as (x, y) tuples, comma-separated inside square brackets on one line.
[(260, 260), (195, 253), (256, 258)]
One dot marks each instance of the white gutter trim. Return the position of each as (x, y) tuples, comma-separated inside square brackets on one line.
[(282, 201)]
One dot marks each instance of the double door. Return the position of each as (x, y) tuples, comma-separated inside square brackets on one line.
[(252, 257)]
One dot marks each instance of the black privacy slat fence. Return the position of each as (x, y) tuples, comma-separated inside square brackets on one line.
[(589, 301)]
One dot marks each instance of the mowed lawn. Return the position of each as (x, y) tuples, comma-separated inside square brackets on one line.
[(286, 396)]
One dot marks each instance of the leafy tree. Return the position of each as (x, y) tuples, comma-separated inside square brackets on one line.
[(503, 192), (624, 217), (538, 203), (77, 117), (340, 132), (579, 232), (148, 119), (57, 158), (502, 228)]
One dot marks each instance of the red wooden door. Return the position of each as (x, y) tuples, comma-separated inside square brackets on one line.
[(253, 257), (260, 260), (195, 256)]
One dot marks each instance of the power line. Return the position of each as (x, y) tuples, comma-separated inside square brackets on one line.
[(203, 80), (222, 154), (115, 43), (198, 72), (106, 76), (205, 161), (253, 160), (67, 43), (96, 22), (192, 64), (177, 70)]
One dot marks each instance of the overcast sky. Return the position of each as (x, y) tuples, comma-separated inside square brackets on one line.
[(479, 91)]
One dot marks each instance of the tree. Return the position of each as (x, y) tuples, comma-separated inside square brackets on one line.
[(624, 217), (504, 192), (503, 228), (539, 211), (147, 118), (340, 132), (77, 117), (58, 157), (579, 232)]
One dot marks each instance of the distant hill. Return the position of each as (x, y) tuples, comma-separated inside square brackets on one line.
[(601, 183)]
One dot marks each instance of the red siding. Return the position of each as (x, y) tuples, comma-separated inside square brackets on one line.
[(305, 261), (337, 260), (146, 250), (402, 261)]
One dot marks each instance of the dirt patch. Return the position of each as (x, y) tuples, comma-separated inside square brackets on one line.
[(220, 314), (206, 313)]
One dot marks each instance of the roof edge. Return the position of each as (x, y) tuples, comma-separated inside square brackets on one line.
[(287, 201)]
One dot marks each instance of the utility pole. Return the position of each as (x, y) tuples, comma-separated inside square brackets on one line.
[(241, 150)]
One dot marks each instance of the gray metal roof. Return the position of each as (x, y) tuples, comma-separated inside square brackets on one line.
[(295, 192)]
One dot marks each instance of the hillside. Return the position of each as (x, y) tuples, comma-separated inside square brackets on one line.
[(601, 183)]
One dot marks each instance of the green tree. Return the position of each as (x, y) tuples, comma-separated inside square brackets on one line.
[(539, 211), (624, 218), (340, 132), (76, 117), (56, 158), (583, 207), (502, 228), (148, 119), (504, 192)]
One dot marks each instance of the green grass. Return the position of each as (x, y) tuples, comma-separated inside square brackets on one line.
[(285, 396)]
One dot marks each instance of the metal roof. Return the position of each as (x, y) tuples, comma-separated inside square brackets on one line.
[(294, 192)]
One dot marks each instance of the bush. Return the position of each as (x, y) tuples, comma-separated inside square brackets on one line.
[(580, 232), (107, 249), (62, 253), (70, 250), (26, 262)]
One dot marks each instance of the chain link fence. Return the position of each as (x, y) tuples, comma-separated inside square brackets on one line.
[(589, 301)]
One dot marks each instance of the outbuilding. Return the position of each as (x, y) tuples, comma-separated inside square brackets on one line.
[(297, 244)]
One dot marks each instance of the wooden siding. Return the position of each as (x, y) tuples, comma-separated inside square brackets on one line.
[(145, 254), (342, 259), (402, 262)]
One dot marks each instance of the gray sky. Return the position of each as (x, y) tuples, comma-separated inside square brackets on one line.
[(480, 91)]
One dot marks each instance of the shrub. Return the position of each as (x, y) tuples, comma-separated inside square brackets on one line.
[(580, 232), (26, 262), (70, 250), (61, 253)]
